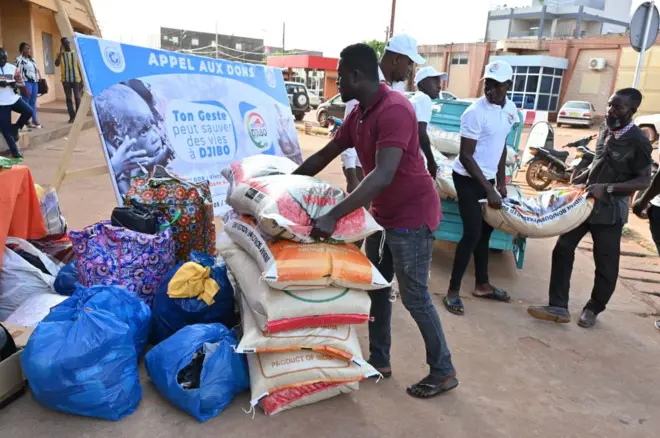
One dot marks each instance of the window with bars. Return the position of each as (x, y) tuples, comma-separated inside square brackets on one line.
[(459, 59), (536, 88)]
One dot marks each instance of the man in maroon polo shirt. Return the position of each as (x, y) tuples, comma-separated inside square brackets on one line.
[(403, 200)]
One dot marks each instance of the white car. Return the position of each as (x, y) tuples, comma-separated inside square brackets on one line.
[(314, 99), (576, 113), (650, 125)]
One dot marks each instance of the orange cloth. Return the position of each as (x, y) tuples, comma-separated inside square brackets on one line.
[(20, 211)]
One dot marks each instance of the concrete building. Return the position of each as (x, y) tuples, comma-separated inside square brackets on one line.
[(548, 73), (559, 19), (318, 73), (33, 22)]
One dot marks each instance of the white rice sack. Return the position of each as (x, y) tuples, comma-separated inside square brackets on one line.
[(304, 395), (547, 214), (444, 141), (286, 205), (277, 310), (256, 166), (511, 156)]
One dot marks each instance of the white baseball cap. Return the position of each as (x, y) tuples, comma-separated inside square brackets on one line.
[(499, 71), (404, 44), (429, 72)]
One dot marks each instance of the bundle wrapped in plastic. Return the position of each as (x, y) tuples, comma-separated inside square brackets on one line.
[(67, 279), (171, 312), (286, 205), (83, 360), (547, 214), (197, 370)]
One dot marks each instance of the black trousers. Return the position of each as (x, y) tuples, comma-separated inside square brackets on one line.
[(69, 89), (654, 223), (476, 232), (606, 250)]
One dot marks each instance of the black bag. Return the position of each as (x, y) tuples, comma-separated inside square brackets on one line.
[(136, 218), (42, 87), (7, 345)]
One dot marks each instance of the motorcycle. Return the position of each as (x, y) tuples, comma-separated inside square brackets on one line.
[(333, 126), (548, 165)]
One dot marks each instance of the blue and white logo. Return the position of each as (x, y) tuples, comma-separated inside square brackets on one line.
[(270, 77), (112, 55)]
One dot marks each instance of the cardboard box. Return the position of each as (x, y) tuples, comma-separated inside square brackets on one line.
[(12, 379)]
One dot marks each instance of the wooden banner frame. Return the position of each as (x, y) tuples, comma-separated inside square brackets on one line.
[(62, 173)]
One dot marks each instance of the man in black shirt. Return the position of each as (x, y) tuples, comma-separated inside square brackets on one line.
[(621, 167)]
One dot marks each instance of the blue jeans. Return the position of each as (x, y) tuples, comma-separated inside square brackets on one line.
[(10, 131), (406, 254), (33, 88)]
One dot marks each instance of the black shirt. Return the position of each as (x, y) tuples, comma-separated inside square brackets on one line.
[(617, 160)]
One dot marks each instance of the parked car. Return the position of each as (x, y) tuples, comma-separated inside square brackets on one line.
[(576, 113), (298, 99), (334, 107), (314, 99), (650, 125)]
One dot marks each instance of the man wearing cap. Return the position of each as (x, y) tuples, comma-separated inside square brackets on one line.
[(479, 174), (428, 81), (395, 67)]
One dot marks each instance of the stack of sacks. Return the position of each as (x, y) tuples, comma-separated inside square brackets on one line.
[(299, 299)]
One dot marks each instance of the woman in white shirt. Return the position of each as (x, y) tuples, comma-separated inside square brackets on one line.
[(28, 68)]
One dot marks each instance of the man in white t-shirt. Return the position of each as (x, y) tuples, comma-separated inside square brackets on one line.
[(10, 79), (398, 60), (428, 81), (478, 170)]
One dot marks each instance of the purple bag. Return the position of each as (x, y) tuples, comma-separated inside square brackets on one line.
[(110, 255)]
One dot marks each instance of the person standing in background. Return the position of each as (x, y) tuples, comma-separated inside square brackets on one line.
[(395, 67), (28, 68), (428, 81), (67, 60), (10, 79)]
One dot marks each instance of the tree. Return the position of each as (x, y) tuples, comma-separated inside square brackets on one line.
[(378, 46)]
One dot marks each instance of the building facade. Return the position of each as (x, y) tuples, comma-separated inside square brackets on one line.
[(548, 73), (33, 22), (559, 19)]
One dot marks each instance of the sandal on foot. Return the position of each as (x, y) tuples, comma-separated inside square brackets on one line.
[(454, 305), (431, 386), (495, 295)]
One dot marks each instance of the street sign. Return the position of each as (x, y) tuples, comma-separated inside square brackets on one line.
[(638, 26)]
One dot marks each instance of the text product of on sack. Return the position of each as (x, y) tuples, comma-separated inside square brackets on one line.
[(547, 214)]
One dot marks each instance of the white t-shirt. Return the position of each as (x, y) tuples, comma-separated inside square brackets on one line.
[(7, 95), (423, 107), (490, 125), (349, 158), (656, 201)]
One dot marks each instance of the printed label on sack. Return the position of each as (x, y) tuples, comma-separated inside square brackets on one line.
[(275, 365), (559, 206), (317, 201), (255, 238)]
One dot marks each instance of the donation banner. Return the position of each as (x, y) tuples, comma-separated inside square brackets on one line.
[(191, 114)]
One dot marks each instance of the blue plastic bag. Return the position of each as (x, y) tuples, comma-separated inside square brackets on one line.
[(66, 280), (224, 373), (172, 314), (84, 365), (117, 300)]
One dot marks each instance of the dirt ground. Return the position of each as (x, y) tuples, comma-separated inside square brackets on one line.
[(519, 377)]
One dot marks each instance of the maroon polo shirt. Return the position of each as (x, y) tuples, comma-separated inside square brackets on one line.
[(411, 201)]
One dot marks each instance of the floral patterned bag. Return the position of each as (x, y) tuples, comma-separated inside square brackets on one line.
[(109, 255), (187, 205)]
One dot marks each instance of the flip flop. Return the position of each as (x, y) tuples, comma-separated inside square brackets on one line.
[(495, 295), (454, 305), (428, 388)]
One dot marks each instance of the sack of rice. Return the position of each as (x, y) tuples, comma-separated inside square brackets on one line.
[(298, 266), (338, 341), (304, 395), (273, 372), (256, 166), (547, 214), (286, 205), (444, 141), (444, 182), (277, 310)]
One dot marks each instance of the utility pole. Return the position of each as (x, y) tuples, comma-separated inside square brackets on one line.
[(216, 40), (645, 39), (283, 36), (392, 18), (387, 34)]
